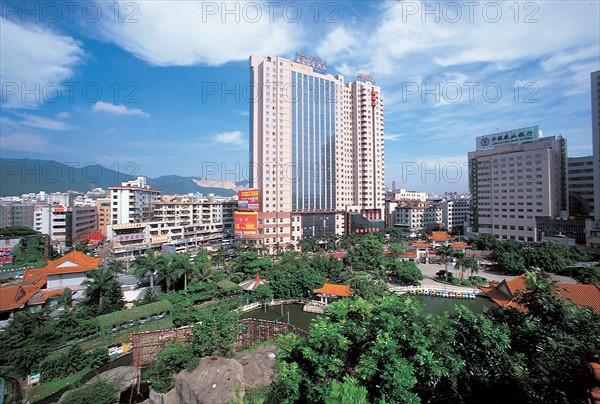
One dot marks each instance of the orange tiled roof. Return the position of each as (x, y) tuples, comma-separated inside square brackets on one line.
[(582, 295), (440, 236), (75, 261), (41, 296), (420, 244), (17, 295), (506, 292), (459, 245), (335, 290)]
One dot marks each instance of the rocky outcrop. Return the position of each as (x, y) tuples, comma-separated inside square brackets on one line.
[(221, 380), (165, 398), (259, 367), (123, 376), (215, 380)]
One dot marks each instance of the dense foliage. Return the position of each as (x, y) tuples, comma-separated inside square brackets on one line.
[(99, 391), (514, 258), (389, 349), (171, 360)]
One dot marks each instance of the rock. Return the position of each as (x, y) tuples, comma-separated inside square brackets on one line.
[(124, 376), (163, 398), (259, 366), (214, 381)]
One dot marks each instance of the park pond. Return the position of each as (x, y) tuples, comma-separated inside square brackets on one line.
[(431, 305)]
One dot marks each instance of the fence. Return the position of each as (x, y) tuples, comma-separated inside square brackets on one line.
[(145, 346)]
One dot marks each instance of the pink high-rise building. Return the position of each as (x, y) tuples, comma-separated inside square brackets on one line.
[(316, 149)]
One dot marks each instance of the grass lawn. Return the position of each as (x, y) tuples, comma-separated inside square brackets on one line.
[(47, 389), (125, 335)]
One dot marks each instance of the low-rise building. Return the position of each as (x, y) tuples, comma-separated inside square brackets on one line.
[(39, 285)]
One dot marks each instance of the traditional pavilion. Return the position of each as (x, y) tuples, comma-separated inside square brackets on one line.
[(330, 290), (252, 284), (439, 238), (506, 293)]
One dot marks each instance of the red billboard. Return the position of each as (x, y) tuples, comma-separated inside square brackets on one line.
[(6, 256), (248, 200), (245, 223)]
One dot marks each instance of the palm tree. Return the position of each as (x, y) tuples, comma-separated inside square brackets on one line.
[(445, 251), (147, 265), (464, 262), (232, 274), (173, 269), (65, 299), (116, 266), (202, 268), (103, 291)]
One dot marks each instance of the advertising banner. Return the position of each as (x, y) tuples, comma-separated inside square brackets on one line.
[(130, 237), (248, 200), (515, 136), (245, 223)]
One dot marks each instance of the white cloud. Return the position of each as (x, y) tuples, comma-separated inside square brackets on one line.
[(337, 42), (34, 58), (231, 138), (35, 121), (26, 142), (392, 138), (63, 115), (186, 33), (402, 44), (120, 109)]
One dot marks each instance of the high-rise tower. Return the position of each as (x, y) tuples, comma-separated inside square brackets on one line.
[(316, 150)]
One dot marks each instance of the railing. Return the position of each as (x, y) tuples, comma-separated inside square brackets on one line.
[(439, 291), (277, 302)]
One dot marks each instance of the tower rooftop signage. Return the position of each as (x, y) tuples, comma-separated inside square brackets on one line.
[(365, 77), (319, 65), (515, 136)]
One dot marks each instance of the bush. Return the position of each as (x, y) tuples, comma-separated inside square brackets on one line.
[(99, 392), (63, 363), (467, 282), (98, 357), (171, 360), (455, 281)]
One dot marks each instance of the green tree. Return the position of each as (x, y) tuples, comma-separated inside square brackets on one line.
[(233, 274), (367, 288), (26, 341), (174, 269), (555, 337), (589, 275), (116, 266), (103, 292), (405, 272), (262, 294), (214, 332), (171, 360), (445, 251), (148, 265), (386, 345), (367, 255), (100, 392), (397, 249), (65, 300), (511, 263), (464, 262)]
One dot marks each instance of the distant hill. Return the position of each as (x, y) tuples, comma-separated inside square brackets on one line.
[(21, 176)]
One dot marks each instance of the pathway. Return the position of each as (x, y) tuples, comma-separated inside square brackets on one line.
[(429, 271)]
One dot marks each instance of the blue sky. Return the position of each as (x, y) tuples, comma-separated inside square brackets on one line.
[(162, 84)]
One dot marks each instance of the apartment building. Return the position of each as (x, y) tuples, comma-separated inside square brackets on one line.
[(514, 177)]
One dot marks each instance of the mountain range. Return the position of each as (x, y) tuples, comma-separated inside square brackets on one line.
[(22, 176)]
